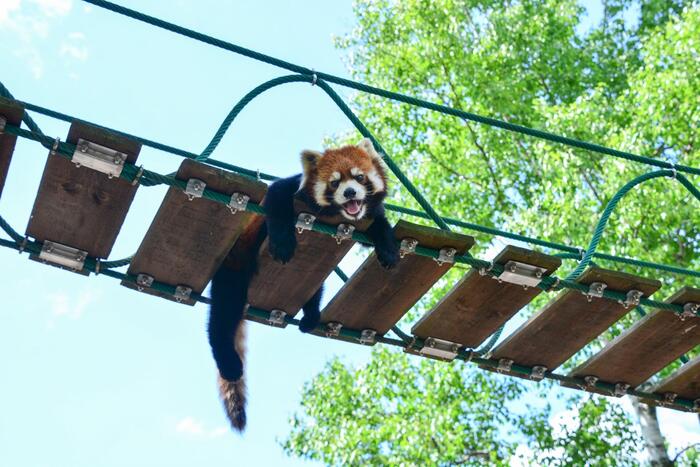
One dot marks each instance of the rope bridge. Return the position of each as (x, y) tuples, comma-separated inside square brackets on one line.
[(476, 308)]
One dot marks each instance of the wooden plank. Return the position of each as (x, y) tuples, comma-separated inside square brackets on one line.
[(478, 305), (648, 346), (288, 286), (81, 207), (13, 112), (684, 382), (570, 321), (188, 240), (376, 298)]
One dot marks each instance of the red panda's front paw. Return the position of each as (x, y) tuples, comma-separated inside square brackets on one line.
[(388, 258), (282, 247), (309, 322)]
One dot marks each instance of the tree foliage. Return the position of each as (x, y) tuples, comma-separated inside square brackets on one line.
[(629, 80)]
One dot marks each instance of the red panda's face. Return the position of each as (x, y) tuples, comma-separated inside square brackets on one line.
[(346, 179)]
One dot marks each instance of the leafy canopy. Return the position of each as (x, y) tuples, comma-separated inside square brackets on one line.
[(629, 81)]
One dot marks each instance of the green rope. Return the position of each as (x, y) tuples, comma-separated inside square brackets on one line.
[(240, 105), (390, 207), (226, 124), (387, 94), (353, 335), (27, 119), (484, 349), (130, 172), (613, 203)]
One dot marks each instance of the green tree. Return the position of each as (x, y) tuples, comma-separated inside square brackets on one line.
[(630, 81)]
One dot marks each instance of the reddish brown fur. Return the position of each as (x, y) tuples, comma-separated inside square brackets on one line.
[(342, 160), (233, 393)]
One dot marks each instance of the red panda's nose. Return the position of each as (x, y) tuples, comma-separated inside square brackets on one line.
[(349, 193)]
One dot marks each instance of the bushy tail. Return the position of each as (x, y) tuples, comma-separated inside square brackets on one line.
[(229, 295), (233, 393)]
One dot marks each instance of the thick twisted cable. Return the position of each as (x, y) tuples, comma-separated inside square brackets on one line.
[(226, 124), (387, 94), (602, 222), (235, 111), (31, 124)]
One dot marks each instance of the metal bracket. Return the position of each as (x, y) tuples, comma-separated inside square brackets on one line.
[(524, 274), (63, 255), (3, 122), (368, 337), (54, 147), (485, 271), (182, 293), (408, 247), (504, 364), (138, 176), (590, 381), (446, 255), (596, 290), (144, 281), (333, 329), (538, 372), (195, 188), (669, 397), (621, 389), (277, 319), (238, 202), (633, 297), (99, 158), (689, 310), (439, 348), (305, 221), (344, 232)]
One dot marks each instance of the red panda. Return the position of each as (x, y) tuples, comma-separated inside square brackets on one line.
[(350, 181)]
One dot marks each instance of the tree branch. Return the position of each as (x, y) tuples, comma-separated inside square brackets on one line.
[(680, 453)]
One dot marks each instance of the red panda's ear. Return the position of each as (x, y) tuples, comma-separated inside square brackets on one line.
[(309, 160), (368, 147)]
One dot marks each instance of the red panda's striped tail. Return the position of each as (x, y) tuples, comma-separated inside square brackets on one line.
[(233, 393)]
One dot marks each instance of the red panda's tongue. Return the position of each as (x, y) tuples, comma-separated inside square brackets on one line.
[(352, 207)]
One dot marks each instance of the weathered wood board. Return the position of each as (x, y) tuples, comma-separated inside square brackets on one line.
[(478, 305), (81, 207), (189, 239), (12, 112), (648, 346), (684, 382), (287, 287), (376, 298), (570, 321)]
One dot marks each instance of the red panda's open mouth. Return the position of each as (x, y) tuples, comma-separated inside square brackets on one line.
[(353, 207)]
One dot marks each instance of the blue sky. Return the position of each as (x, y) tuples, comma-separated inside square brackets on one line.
[(96, 374)]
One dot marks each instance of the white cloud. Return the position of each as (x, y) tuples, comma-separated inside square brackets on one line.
[(189, 426), (218, 432), (62, 305), (54, 7), (7, 7), (192, 427), (77, 52), (29, 21)]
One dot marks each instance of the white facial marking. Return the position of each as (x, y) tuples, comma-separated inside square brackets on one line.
[(335, 176), (320, 194), (355, 171), (339, 195), (376, 180)]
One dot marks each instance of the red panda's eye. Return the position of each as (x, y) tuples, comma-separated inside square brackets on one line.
[(335, 183), (359, 177)]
